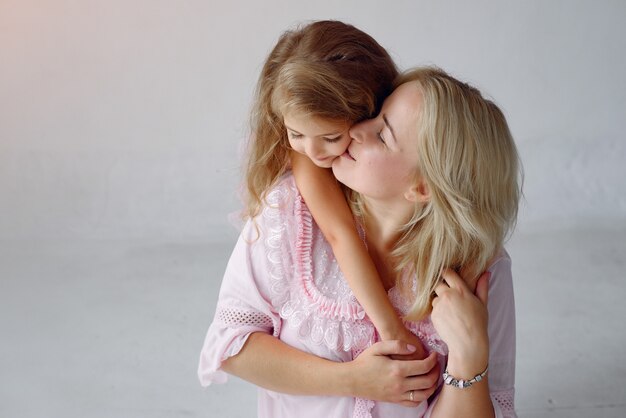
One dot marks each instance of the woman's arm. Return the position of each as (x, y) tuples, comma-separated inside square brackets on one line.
[(460, 318), (325, 200), (467, 353), (268, 362)]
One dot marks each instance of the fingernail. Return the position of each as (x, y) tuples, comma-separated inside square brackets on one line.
[(411, 347)]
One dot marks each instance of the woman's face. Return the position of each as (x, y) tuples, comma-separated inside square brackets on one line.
[(381, 161), (322, 140)]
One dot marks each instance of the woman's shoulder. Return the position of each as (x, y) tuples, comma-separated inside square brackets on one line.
[(501, 279), (501, 260)]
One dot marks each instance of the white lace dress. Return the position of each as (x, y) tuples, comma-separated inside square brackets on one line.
[(282, 279)]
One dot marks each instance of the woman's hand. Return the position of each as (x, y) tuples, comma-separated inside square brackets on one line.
[(378, 377), (408, 337), (460, 317)]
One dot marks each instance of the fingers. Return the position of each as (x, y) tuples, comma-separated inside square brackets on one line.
[(421, 387), (413, 398), (452, 279), (420, 367), (392, 347)]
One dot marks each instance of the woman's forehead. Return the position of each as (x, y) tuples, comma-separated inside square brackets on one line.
[(402, 107)]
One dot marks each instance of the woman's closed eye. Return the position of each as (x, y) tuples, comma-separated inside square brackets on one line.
[(293, 135), (380, 137)]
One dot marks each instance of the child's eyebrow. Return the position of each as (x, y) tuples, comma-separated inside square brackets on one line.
[(393, 135), (329, 134), (291, 129)]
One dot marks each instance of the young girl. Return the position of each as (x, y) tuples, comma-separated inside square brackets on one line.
[(316, 83)]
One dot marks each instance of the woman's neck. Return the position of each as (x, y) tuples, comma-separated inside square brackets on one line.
[(383, 221), (383, 224)]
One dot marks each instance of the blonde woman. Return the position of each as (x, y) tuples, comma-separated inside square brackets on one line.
[(436, 187)]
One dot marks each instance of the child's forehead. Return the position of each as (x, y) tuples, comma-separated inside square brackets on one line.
[(310, 121)]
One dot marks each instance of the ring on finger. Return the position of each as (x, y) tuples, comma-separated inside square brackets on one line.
[(411, 395)]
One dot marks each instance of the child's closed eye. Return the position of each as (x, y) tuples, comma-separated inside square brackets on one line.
[(333, 139)]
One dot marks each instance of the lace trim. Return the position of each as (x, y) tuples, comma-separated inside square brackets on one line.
[(506, 401), (335, 323), (328, 307), (234, 317), (424, 329), (338, 321), (279, 287), (363, 408)]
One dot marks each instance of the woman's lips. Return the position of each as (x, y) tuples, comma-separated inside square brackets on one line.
[(348, 155)]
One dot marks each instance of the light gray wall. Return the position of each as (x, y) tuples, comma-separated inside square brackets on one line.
[(123, 118)]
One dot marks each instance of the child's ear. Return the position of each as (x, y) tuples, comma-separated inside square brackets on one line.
[(419, 193)]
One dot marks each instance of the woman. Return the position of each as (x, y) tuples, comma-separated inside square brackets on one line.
[(436, 182)]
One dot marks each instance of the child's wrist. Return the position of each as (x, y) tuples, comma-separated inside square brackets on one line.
[(392, 331)]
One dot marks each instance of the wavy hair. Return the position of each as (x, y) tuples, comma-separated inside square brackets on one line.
[(467, 156), (326, 69)]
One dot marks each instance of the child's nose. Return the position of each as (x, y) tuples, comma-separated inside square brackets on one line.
[(313, 149)]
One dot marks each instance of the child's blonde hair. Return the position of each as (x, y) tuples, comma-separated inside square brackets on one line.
[(470, 163), (327, 69)]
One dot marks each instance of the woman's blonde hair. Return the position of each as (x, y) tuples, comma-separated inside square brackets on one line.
[(468, 158), (326, 69)]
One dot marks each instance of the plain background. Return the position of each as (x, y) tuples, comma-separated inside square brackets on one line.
[(120, 129)]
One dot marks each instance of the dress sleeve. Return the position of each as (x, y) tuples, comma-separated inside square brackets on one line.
[(501, 305), (244, 305), (501, 328)]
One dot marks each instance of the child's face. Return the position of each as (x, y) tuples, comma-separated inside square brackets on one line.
[(322, 140), (382, 159)]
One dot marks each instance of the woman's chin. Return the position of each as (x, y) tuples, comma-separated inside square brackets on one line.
[(340, 168)]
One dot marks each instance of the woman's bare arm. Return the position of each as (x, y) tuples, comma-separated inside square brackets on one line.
[(270, 363), (460, 318)]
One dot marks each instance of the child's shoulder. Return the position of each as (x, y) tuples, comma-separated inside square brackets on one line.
[(282, 203), (284, 191)]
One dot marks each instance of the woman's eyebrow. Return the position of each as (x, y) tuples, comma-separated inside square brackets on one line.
[(393, 135)]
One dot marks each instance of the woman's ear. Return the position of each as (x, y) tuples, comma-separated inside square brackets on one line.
[(419, 193)]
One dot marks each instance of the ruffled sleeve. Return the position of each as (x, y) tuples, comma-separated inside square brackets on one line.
[(246, 301), (501, 328)]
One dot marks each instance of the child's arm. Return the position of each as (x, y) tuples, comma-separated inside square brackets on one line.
[(329, 208)]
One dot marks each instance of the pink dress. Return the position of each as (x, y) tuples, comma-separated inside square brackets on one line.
[(282, 279)]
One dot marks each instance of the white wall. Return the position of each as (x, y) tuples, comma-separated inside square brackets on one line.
[(123, 118)]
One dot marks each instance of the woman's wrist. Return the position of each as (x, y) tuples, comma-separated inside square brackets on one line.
[(345, 384), (467, 366)]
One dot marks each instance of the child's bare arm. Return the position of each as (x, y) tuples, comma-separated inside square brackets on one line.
[(329, 208)]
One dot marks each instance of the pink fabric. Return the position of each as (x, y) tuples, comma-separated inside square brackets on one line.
[(283, 279)]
